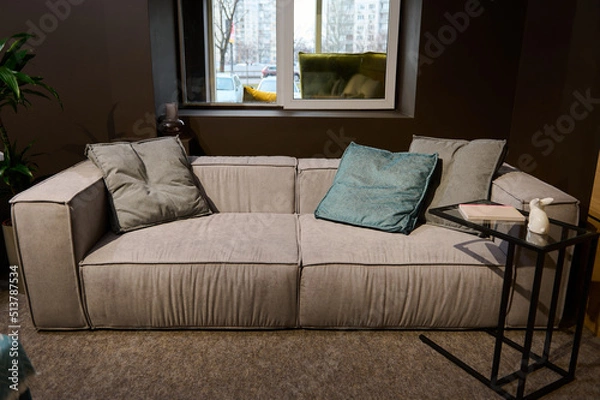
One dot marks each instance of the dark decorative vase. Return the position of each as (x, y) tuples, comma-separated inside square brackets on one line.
[(171, 125)]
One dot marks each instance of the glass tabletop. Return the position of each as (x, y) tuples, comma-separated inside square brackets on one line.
[(560, 234)]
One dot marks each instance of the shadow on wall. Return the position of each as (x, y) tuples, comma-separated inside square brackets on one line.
[(143, 128)]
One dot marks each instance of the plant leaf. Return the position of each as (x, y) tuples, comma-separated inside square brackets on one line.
[(16, 88), (53, 92), (19, 41), (23, 169), (24, 79), (2, 43), (25, 149), (35, 93), (20, 59), (7, 78)]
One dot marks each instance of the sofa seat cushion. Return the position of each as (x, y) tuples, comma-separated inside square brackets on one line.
[(361, 278), (230, 270), (325, 242), (224, 238)]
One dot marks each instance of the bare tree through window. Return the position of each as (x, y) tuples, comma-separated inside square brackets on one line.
[(224, 20)]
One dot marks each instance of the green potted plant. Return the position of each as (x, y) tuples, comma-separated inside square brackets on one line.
[(16, 87)]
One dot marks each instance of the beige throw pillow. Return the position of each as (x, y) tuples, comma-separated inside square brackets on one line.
[(149, 182), (467, 170)]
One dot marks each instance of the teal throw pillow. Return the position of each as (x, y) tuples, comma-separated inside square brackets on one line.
[(378, 189)]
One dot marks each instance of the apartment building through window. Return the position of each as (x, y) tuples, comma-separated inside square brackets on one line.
[(315, 54)]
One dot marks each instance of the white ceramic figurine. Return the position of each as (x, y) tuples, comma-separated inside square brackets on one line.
[(538, 220)]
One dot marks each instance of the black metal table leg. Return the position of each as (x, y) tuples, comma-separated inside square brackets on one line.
[(533, 303), (506, 285), (560, 262), (589, 269)]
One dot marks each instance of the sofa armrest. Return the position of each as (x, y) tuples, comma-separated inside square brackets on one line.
[(517, 188), (56, 222)]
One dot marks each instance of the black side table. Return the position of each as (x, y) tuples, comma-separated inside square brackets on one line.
[(560, 237)]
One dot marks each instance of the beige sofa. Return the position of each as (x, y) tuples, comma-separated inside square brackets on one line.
[(262, 261)]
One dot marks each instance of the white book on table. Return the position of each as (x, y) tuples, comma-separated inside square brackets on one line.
[(490, 212)]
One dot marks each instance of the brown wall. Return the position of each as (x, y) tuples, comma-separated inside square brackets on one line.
[(96, 54), (465, 89), (99, 59), (554, 134)]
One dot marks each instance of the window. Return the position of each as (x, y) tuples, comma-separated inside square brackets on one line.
[(309, 54)]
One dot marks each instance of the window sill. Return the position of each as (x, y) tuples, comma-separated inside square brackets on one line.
[(281, 113)]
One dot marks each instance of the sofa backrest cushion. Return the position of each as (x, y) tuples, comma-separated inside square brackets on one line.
[(248, 184), (315, 176)]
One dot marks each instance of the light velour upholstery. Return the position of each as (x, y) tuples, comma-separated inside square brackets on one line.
[(315, 176), (263, 261), (224, 270), (56, 223), (248, 184), (433, 277), (517, 188), (149, 182), (466, 171)]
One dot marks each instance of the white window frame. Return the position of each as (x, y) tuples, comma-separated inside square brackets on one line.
[(285, 59), (285, 66)]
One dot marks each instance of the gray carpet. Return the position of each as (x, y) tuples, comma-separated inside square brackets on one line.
[(290, 364)]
